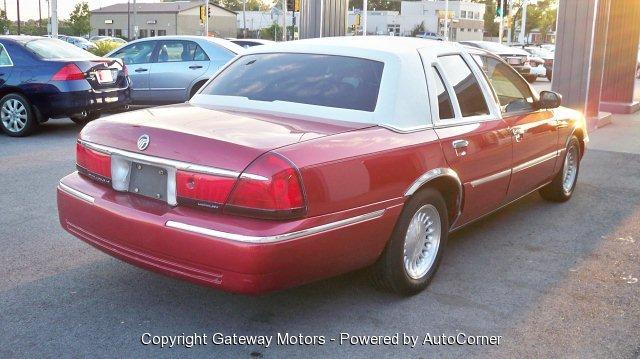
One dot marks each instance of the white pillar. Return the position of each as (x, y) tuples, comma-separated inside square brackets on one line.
[(501, 21), (364, 17), (284, 20), (54, 18), (446, 20), (523, 26)]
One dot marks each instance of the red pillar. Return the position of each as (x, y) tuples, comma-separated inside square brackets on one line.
[(618, 82)]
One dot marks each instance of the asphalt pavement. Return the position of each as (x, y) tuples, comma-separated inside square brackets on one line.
[(552, 280)]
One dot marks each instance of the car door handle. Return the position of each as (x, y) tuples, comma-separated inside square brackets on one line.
[(460, 146), (518, 133), (193, 67), (141, 70)]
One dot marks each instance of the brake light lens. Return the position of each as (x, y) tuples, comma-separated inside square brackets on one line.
[(202, 190), (93, 164), (68, 72), (270, 188)]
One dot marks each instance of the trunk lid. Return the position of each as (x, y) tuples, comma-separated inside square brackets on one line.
[(223, 139)]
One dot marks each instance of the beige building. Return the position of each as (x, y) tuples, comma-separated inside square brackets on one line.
[(159, 19)]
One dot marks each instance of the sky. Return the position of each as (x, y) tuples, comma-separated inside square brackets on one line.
[(29, 8)]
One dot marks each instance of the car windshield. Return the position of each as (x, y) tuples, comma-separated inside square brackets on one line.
[(323, 80), (56, 49)]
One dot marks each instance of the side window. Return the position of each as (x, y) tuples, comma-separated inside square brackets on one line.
[(445, 109), (220, 53), (174, 51), (5, 60), (513, 92), (465, 85), (196, 52), (138, 53)]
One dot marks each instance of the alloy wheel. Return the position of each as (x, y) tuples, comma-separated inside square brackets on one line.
[(422, 241), (14, 115), (570, 169)]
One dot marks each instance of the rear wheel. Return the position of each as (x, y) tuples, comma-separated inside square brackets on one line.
[(85, 117), (17, 116), (415, 249), (562, 186)]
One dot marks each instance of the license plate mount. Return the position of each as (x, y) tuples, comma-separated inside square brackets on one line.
[(149, 181), (104, 76)]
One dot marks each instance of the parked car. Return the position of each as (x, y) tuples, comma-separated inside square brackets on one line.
[(430, 36), (95, 39), (170, 69), (543, 60), (306, 159), (80, 42), (44, 78), (515, 57), (247, 43)]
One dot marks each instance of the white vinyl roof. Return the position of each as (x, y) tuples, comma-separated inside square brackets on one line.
[(403, 100)]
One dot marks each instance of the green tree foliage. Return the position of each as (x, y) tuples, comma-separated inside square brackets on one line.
[(79, 19), (376, 4), (541, 17), (5, 24), (418, 29), (236, 5)]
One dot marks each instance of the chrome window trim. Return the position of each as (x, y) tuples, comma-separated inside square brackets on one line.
[(409, 130), (179, 165), (279, 237), (74, 192), (8, 56)]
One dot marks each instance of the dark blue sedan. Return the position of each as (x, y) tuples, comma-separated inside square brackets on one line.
[(42, 78)]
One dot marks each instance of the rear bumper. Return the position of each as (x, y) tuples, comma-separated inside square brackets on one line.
[(204, 250), (60, 104)]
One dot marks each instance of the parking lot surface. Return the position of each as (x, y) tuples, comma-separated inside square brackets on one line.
[(550, 279)]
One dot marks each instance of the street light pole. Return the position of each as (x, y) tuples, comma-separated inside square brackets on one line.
[(18, 6), (284, 20), (501, 21), (133, 20), (365, 5), (244, 19), (54, 18)]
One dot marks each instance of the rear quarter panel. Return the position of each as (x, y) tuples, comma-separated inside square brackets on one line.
[(369, 168)]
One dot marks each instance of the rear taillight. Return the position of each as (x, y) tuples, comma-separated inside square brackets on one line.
[(93, 164), (68, 72), (202, 190), (271, 188)]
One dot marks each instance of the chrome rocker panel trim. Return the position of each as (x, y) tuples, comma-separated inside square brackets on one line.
[(279, 237)]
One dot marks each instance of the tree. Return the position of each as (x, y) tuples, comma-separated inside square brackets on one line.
[(236, 5), (5, 23), (376, 4), (79, 19)]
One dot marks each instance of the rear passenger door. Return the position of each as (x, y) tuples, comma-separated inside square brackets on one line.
[(535, 131), (179, 64), (6, 65), (138, 57), (475, 141)]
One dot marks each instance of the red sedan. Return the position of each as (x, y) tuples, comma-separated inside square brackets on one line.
[(304, 160)]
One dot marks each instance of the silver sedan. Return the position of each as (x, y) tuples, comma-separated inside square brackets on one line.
[(170, 69)]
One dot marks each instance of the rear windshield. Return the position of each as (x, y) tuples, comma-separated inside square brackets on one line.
[(56, 49), (323, 80)]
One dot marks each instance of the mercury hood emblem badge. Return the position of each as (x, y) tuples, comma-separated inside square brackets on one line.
[(143, 142)]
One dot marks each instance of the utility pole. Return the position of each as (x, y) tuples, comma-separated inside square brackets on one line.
[(365, 5), (501, 21), (244, 19), (206, 18), (284, 20), (446, 20), (129, 19), (133, 20), (39, 13), (54, 18), (523, 26), (18, 7)]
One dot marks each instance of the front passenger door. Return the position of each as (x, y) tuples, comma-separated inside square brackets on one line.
[(534, 131)]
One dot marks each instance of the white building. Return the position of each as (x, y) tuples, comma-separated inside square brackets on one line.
[(466, 19)]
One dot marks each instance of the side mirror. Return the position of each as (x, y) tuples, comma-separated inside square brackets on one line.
[(549, 99)]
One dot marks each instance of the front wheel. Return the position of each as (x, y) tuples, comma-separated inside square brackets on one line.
[(563, 185), (415, 249)]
